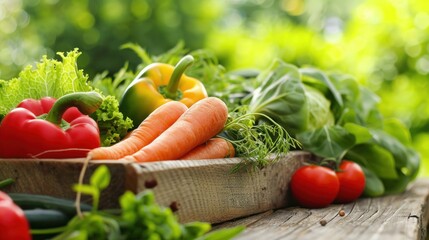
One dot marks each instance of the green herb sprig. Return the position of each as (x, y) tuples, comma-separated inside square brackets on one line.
[(258, 144), (139, 217)]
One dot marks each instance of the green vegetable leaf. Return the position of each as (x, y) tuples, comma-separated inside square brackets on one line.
[(140, 217), (367, 108), (328, 142), (100, 178), (281, 97), (360, 104), (56, 78), (323, 78), (49, 78), (398, 185), (194, 230), (319, 112), (394, 146), (362, 134), (86, 189), (256, 144), (414, 160), (6, 182), (397, 129), (375, 158), (221, 234), (111, 122), (373, 185)]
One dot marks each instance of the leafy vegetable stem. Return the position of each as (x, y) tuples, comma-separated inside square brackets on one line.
[(268, 102), (256, 142), (48, 230), (6, 182)]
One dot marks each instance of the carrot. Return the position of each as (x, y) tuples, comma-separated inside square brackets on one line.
[(199, 123), (212, 149), (156, 123)]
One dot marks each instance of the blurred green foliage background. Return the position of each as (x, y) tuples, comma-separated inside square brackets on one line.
[(384, 44)]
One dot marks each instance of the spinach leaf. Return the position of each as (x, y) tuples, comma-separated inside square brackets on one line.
[(328, 142), (398, 130), (361, 133), (324, 79), (374, 187), (360, 104), (398, 150), (281, 97), (375, 158), (398, 185)]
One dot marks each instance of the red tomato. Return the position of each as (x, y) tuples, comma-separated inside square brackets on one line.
[(13, 224), (314, 186), (352, 182)]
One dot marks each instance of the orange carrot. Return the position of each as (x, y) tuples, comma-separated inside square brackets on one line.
[(156, 123), (199, 123), (212, 149)]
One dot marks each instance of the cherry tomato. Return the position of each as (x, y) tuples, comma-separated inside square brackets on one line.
[(352, 182), (314, 186)]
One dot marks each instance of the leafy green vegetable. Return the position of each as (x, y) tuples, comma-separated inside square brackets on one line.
[(113, 127), (319, 112), (257, 144), (374, 187), (328, 142), (50, 78), (221, 234), (113, 86), (6, 182), (281, 97), (139, 218), (360, 133), (319, 80), (376, 158), (360, 105), (398, 130), (397, 185), (55, 78)]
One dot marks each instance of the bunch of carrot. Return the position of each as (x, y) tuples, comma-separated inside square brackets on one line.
[(174, 132)]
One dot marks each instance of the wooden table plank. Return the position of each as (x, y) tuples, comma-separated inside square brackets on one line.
[(403, 216)]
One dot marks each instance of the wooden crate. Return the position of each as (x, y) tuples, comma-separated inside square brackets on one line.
[(198, 190)]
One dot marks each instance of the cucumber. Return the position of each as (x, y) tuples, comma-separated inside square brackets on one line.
[(46, 218), (32, 201)]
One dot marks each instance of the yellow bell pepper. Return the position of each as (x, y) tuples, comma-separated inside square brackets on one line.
[(157, 84)]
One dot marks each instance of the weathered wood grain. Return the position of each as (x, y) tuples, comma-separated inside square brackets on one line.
[(206, 190), (403, 216), (198, 190), (56, 177)]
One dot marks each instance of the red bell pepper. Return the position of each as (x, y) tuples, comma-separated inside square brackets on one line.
[(49, 128), (13, 224)]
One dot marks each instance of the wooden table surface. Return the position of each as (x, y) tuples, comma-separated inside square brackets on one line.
[(401, 217)]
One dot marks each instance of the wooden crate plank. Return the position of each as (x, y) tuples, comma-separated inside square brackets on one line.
[(56, 177), (206, 190), (198, 190), (403, 216)]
